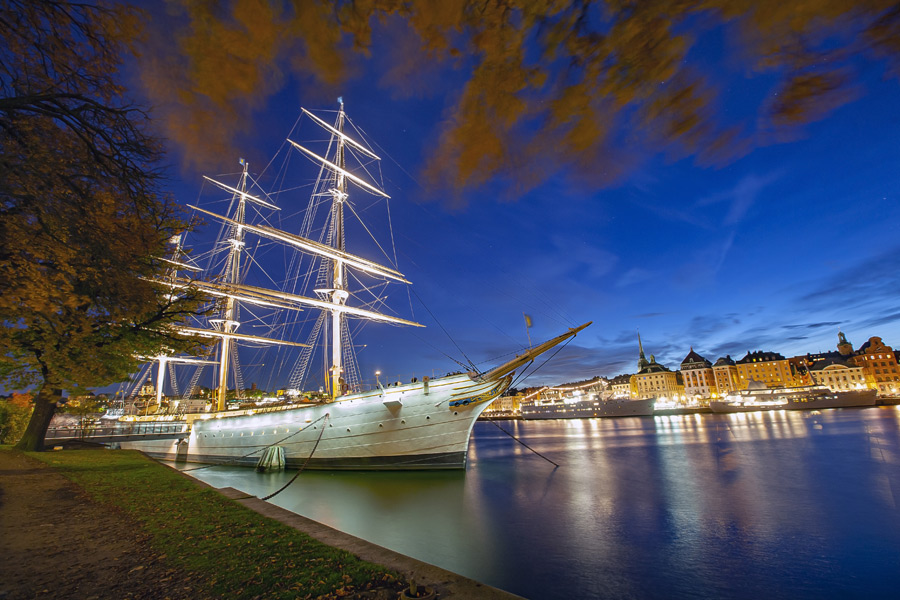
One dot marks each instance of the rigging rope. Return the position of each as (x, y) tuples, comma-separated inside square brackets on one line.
[(263, 447), (523, 376), (524, 444), (471, 364), (306, 462)]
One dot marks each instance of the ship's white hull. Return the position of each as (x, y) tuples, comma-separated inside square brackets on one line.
[(412, 426)]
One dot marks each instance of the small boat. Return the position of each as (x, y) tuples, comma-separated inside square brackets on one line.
[(424, 424), (758, 397)]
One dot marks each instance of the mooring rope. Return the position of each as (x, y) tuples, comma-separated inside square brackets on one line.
[(262, 447), (523, 376), (306, 462), (524, 444)]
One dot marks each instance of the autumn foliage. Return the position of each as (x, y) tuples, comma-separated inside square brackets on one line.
[(83, 225), (545, 85)]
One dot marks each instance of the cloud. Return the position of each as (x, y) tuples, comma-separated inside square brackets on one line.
[(705, 264), (883, 320), (868, 282), (813, 325), (586, 260), (701, 326), (741, 197), (634, 276)]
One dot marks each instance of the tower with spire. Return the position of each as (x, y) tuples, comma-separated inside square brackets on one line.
[(642, 360), (844, 347)]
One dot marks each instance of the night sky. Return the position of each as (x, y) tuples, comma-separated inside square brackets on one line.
[(777, 250)]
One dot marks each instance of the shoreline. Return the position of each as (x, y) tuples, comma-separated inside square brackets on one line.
[(64, 536), (446, 584)]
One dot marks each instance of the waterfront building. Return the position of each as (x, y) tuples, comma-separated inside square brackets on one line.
[(699, 378), (620, 386), (879, 361), (770, 368), (655, 380), (840, 375), (506, 406), (800, 367), (726, 374)]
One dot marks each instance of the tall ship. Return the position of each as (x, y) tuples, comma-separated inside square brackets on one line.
[(759, 397), (423, 424)]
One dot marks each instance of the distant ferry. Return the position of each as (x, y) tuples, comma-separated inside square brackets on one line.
[(797, 398), (585, 409)]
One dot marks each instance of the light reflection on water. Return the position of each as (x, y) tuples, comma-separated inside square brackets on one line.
[(779, 505)]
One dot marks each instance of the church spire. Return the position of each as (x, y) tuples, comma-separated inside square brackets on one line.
[(642, 360)]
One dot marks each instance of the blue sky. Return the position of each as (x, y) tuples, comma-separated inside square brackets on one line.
[(777, 250)]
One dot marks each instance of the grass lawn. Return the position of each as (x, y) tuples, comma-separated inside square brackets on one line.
[(237, 552)]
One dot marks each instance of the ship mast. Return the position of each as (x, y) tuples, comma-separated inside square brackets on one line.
[(228, 323), (333, 295), (338, 292)]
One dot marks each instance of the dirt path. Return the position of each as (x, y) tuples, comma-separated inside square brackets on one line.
[(56, 543)]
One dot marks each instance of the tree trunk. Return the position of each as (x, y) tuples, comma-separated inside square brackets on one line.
[(44, 407)]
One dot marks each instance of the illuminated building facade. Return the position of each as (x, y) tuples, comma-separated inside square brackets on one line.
[(620, 386), (879, 362), (699, 378), (506, 405), (839, 375), (770, 368), (653, 380), (726, 374)]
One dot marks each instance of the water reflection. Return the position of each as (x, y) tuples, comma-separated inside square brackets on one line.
[(780, 504)]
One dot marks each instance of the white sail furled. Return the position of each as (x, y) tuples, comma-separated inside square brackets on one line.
[(340, 171), (213, 333), (273, 298), (347, 139), (242, 194), (314, 247)]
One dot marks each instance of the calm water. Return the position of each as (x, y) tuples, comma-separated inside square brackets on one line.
[(758, 505)]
